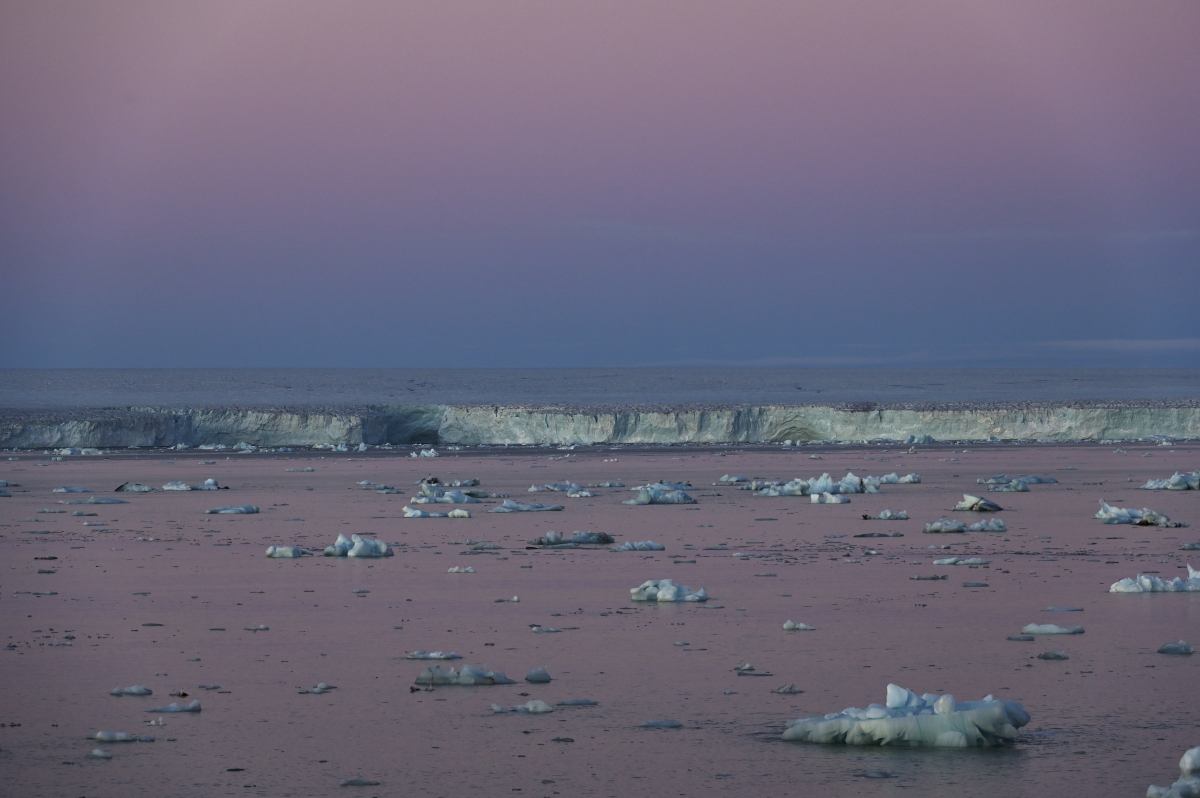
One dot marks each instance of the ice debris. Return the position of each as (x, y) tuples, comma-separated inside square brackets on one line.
[(72, 489), (538, 676), (945, 525), (792, 626), (132, 487), (961, 561), (888, 515), (1016, 486), (174, 707), (321, 689), (656, 495), (1181, 649), (287, 552), (421, 654), (460, 569), (534, 707), (1126, 515), (665, 590), (468, 676), (1147, 583), (640, 545), (1188, 785), (245, 509), (510, 506), (553, 538), (912, 720), (976, 504), (431, 495), (829, 498), (357, 546), (1053, 655), (99, 754), (990, 525), (1051, 629)]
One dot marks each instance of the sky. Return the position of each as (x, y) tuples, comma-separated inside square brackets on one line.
[(525, 184)]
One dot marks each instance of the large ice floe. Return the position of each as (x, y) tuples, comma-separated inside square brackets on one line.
[(908, 719), (1188, 785), (469, 676), (1127, 515), (1145, 583), (977, 504), (511, 506), (652, 494), (665, 590), (1188, 481), (357, 546)]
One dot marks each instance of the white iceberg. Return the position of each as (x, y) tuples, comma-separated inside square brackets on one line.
[(792, 626), (829, 498), (665, 590), (421, 654), (357, 546), (990, 525), (1188, 785), (1179, 649), (245, 509), (656, 495), (468, 676), (910, 479), (976, 504), (1016, 486), (1145, 583), (1051, 629), (640, 545), (945, 525), (133, 487), (797, 487), (1189, 481), (460, 569), (413, 512), (510, 506), (534, 707), (911, 720), (888, 515), (287, 552), (428, 494), (552, 538), (137, 689)]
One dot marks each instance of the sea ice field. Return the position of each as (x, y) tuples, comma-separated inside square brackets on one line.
[(112, 613)]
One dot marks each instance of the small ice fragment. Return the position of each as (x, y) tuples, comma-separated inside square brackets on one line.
[(137, 689), (1053, 655), (460, 569), (1182, 648), (977, 504), (468, 676), (534, 707), (364, 782), (577, 702), (666, 590), (421, 654), (640, 545), (945, 525), (320, 689), (510, 506), (72, 489), (1051, 629), (1057, 608), (173, 707), (787, 689), (287, 552), (244, 509), (537, 676), (792, 626)]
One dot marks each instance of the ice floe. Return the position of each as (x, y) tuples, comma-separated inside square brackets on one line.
[(119, 737), (1188, 481), (656, 495), (431, 495), (976, 504), (510, 506), (1146, 583), (72, 489), (421, 654), (961, 561), (533, 707), (1188, 785), (990, 525), (1127, 515), (943, 525), (1016, 486), (468, 676), (194, 706), (132, 487), (538, 676), (640, 545), (460, 569), (829, 498), (552, 538), (888, 515), (912, 720), (665, 590), (98, 753), (244, 509), (321, 689), (1050, 629), (792, 626), (287, 552), (357, 546), (1179, 649), (137, 689)]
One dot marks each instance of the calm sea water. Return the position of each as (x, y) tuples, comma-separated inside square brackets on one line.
[(47, 388)]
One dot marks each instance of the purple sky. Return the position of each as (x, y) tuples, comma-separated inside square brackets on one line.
[(603, 183)]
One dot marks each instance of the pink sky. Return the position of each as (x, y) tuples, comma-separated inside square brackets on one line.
[(668, 170)]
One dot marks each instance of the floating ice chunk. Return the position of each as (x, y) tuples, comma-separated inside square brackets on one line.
[(1053, 655), (977, 504), (245, 509), (792, 626), (510, 506), (729, 480), (5, 494), (664, 723), (543, 630), (797, 487), (788, 689), (114, 737), (945, 525), (208, 484), (305, 470), (133, 487), (413, 512), (608, 485), (360, 782), (458, 513), (999, 479), (552, 538), (1051, 629), (99, 754), (640, 545), (538, 676), (1127, 515), (72, 489), (534, 707), (990, 525), (666, 590), (428, 494), (912, 720), (1031, 480), (100, 500), (287, 552), (888, 515), (459, 569), (364, 547), (1182, 648), (910, 479), (664, 485), (1190, 546), (1016, 486), (961, 561), (176, 486), (468, 676), (137, 689), (421, 654), (656, 495), (1188, 785), (340, 548), (581, 494), (320, 689), (829, 498), (173, 707), (578, 702), (1190, 481), (259, 628)]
